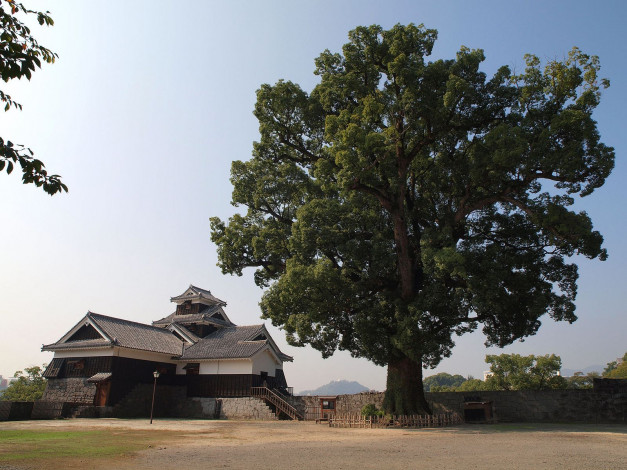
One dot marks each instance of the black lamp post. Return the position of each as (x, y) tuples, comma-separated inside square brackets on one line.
[(154, 388)]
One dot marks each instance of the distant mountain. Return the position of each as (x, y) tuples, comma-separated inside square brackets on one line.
[(569, 372), (337, 387)]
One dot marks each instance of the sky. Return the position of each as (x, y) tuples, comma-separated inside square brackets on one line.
[(151, 101)]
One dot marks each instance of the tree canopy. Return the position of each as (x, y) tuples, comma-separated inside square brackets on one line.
[(442, 382), (512, 372), (20, 56), (516, 372), (616, 369), (404, 201), (29, 386)]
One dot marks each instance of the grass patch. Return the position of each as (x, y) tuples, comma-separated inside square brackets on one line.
[(54, 446)]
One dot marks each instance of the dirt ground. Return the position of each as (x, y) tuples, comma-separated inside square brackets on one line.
[(304, 445)]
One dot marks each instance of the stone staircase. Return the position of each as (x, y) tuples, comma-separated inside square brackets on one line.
[(278, 401)]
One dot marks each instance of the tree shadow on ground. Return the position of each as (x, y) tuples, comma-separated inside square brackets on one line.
[(534, 427)]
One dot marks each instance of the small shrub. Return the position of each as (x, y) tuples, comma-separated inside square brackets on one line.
[(371, 410)]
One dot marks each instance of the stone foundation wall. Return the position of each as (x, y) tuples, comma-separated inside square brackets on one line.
[(74, 390), (309, 406), (47, 410), (604, 405), (245, 408), (15, 410), (172, 402), (350, 403), (585, 406)]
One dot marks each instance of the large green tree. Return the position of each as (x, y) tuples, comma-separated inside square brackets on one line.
[(404, 201), (20, 56)]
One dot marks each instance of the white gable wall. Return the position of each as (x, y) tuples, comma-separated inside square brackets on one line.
[(220, 367), (265, 361)]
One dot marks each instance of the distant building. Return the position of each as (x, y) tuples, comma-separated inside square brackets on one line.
[(4, 383)]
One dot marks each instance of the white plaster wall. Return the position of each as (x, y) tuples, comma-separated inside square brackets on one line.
[(236, 366), (88, 353), (266, 362), (121, 352)]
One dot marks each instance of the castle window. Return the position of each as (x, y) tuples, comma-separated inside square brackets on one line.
[(76, 365), (192, 368)]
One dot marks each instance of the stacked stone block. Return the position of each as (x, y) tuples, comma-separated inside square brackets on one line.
[(586, 406), (245, 408), (73, 390)]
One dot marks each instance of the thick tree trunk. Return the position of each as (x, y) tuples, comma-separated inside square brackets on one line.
[(404, 393)]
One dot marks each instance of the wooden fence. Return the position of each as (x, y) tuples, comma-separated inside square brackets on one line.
[(411, 421)]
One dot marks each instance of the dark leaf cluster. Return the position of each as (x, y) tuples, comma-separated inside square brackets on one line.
[(20, 56)]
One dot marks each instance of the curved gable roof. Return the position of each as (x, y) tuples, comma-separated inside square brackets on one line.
[(122, 333)]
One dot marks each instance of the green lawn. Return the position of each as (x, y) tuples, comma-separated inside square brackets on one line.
[(68, 446)]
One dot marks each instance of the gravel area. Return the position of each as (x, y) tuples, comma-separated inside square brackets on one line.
[(303, 445)]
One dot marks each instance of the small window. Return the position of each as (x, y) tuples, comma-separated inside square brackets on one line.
[(328, 404), (76, 365), (193, 368)]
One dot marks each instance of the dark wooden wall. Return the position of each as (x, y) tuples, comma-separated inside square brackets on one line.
[(227, 385)]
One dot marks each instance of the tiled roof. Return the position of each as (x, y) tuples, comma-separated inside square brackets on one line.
[(82, 344), (202, 316), (227, 343), (99, 377), (134, 335), (184, 331), (198, 292), (126, 334), (231, 343)]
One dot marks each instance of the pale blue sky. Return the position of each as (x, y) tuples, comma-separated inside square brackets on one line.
[(149, 103)]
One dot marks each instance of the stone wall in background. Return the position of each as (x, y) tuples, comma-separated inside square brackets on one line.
[(607, 403), (586, 406)]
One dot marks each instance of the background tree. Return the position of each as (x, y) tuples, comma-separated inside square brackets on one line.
[(579, 380), (20, 56), (402, 201), (516, 372), (614, 370), (471, 385), (442, 382), (29, 386)]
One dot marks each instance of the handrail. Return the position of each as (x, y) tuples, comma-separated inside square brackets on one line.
[(276, 400)]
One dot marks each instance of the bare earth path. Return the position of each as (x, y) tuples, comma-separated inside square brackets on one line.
[(291, 445)]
